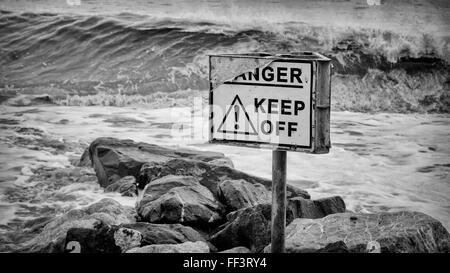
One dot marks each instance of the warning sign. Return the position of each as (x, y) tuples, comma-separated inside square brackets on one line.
[(268, 104)]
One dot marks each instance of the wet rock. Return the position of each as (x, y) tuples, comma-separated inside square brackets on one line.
[(249, 227), (209, 175), (85, 160), (165, 233), (335, 247), (115, 158), (115, 213), (52, 237), (238, 249), (187, 247), (192, 205), (103, 239), (237, 194), (127, 238), (330, 205), (160, 186), (304, 208), (388, 232), (125, 186)]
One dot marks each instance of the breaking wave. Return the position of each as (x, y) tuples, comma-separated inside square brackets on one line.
[(67, 55)]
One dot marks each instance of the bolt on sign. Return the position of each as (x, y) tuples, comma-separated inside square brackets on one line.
[(273, 101)]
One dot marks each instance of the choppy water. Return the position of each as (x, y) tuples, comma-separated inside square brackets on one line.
[(388, 57)]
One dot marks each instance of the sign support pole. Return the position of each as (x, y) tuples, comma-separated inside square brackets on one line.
[(278, 201)]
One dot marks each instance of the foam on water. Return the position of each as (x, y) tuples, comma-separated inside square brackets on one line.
[(379, 162)]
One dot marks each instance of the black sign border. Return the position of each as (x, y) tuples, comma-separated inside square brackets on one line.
[(258, 144)]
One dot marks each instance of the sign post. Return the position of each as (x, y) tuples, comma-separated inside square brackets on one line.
[(278, 201), (280, 102)]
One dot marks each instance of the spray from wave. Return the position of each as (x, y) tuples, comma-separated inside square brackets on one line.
[(67, 55)]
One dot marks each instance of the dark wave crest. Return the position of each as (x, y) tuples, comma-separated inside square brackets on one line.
[(135, 54)]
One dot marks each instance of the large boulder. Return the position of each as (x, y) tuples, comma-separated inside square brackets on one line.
[(102, 239), (165, 233), (187, 247), (237, 194), (209, 175), (52, 237), (115, 158), (125, 186), (192, 205), (250, 227), (380, 232)]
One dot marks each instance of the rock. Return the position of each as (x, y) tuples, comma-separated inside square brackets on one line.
[(187, 247), (111, 212), (162, 185), (85, 160), (238, 249), (165, 233), (330, 205), (52, 237), (125, 186), (127, 238), (390, 232), (304, 208), (209, 175), (237, 194), (249, 227), (115, 158), (103, 239), (192, 205), (336, 247)]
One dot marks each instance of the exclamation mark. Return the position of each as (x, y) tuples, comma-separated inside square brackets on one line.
[(236, 117)]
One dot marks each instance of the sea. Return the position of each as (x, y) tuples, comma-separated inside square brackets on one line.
[(75, 70)]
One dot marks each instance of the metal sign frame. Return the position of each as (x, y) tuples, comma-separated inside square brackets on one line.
[(319, 102)]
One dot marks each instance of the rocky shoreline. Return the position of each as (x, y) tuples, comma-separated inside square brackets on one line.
[(195, 201)]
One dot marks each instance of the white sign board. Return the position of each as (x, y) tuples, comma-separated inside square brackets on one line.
[(269, 105)]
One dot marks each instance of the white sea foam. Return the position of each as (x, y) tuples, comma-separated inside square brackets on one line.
[(379, 162)]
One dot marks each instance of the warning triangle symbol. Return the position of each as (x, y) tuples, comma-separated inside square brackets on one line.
[(236, 120)]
